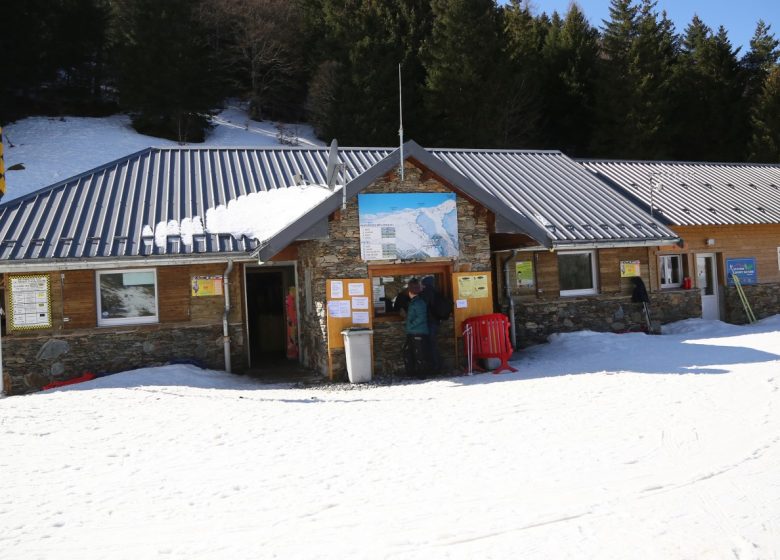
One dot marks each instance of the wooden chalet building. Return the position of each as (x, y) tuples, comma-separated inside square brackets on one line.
[(95, 279), (727, 214)]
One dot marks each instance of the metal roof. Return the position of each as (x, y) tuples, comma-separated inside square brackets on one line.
[(698, 193), (101, 213)]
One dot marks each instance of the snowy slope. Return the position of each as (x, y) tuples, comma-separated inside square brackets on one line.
[(602, 446), (53, 149)]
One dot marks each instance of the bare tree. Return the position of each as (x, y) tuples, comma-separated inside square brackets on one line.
[(260, 44)]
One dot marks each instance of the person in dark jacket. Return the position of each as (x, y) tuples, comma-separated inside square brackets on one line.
[(415, 355), (429, 295)]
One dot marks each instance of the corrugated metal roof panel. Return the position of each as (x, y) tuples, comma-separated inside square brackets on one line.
[(699, 193), (103, 212)]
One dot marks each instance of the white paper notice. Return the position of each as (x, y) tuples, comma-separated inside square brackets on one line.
[(356, 289), (462, 303), (360, 317), (336, 289), (339, 309), (359, 303)]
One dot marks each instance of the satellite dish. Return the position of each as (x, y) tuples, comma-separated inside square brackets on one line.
[(331, 175)]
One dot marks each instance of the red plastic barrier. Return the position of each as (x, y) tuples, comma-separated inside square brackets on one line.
[(85, 377), (488, 337)]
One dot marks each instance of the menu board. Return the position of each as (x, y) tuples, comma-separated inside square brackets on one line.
[(30, 302)]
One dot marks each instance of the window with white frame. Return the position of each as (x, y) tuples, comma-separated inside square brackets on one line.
[(578, 273), (670, 270), (126, 296)]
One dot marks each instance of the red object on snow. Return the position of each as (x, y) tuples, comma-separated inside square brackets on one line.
[(88, 376), (487, 336)]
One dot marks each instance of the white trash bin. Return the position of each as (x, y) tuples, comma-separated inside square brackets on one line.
[(357, 346)]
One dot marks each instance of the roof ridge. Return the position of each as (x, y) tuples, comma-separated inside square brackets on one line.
[(676, 162)]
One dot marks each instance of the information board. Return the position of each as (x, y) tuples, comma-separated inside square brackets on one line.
[(525, 274), (202, 286), (744, 268), (473, 293), (30, 302), (348, 304), (629, 269)]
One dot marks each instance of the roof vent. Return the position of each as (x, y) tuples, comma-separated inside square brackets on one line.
[(711, 209), (761, 209), (688, 210), (737, 209)]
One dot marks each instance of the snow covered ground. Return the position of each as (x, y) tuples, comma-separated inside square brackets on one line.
[(53, 149), (601, 446)]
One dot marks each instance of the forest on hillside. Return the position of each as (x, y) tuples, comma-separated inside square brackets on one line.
[(476, 73)]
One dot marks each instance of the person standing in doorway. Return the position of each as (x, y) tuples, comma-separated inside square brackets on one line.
[(429, 295), (416, 350)]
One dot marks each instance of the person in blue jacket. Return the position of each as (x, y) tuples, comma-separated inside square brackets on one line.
[(416, 351)]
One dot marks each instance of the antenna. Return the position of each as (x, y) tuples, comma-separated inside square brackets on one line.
[(401, 120), (331, 175)]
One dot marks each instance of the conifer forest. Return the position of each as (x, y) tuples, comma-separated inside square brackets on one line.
[(476, 73)]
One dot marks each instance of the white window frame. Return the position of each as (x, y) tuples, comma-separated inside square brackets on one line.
[(594, 271), (670, 285), (127, 320)]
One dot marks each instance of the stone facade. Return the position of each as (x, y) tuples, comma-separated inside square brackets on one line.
[(339, 257), (537, 320), (31, 362), (764, 300)]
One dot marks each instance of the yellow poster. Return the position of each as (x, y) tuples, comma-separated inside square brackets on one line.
[(473, 287), (629, 269), (206, 286)]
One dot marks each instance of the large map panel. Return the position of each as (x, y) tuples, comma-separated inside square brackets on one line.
[(403, 226)]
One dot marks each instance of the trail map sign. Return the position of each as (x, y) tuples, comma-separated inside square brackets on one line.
[(408, 226), (30, 299)]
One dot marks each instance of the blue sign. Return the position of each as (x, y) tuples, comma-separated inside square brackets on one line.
[(745, 269)]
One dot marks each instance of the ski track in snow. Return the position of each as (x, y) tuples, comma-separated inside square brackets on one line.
[(556, 461)]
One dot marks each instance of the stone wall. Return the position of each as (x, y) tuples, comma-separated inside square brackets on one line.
[(764, 300), (339, 257), (537, 320), (31, 362)]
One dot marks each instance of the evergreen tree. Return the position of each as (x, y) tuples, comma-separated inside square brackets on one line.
[(169, 78), (522, 106), (465, 64), (353, 94), (640, 51), (570, 56), (709, 110), (760, 59), (765, 142)]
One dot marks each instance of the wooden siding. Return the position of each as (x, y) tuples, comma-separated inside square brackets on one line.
[(738, 241), (173, 293), (79, 300)]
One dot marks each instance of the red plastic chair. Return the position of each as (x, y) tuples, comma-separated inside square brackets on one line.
[(487, 336)]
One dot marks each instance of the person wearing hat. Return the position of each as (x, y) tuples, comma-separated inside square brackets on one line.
[(416, 351), (429, 295)]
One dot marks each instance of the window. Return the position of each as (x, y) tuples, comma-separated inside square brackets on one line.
[(577, 273), (387, 281), (126, 297), (670, 269)]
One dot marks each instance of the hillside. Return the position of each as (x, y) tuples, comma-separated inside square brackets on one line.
[(53, 149)]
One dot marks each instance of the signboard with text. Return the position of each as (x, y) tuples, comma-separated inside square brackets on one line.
[(745, 270)]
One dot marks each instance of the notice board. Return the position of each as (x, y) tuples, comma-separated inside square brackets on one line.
[(348, 304), (744, 269), (30, 302), (473, 295)]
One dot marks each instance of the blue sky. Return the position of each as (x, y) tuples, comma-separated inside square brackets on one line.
[(738, 17), (378, 203)]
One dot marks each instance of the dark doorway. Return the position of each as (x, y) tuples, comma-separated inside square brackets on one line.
[(271, 324)]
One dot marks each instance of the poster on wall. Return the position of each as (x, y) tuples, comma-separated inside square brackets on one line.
[(745, 270), (30, 300), (473, 287), (206, 286), (525, 274), (408, 226), (629, 269)]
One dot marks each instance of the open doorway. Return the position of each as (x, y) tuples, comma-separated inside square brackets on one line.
[(272, 325)]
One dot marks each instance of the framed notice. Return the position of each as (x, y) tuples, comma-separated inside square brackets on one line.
[(744, 269), (30, 302), (629, 269), (202, 286)]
